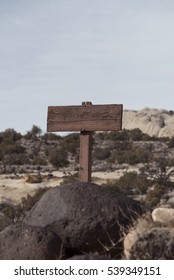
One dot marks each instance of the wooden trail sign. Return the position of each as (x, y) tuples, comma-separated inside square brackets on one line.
[(85, 118)]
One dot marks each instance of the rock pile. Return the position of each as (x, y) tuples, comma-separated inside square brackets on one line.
[(152, 237), (70, 221)]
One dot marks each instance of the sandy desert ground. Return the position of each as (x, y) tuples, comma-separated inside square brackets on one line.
[(13, 188)]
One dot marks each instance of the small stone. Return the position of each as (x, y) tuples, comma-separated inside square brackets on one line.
[(164, 216)]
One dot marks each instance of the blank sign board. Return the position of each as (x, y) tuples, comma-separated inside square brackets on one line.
[(85, 118)]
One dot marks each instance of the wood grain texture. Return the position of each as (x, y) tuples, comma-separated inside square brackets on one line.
[(85, 156), (85, 118)]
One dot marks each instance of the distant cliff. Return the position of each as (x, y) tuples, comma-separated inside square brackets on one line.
[(155, 122)]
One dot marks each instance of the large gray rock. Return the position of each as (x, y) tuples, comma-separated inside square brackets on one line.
[(87, 217), (29, 243)]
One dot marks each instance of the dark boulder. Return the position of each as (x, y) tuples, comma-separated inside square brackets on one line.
[(86, 216), (29, 243)]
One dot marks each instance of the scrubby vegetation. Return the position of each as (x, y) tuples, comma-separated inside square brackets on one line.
[(20, 152), (49, 151), (131, 183), (52, 150)]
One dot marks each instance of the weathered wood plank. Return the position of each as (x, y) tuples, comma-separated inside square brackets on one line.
[(84, 118), (85, 156)]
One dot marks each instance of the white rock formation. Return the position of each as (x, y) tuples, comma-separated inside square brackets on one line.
[(155, 122)]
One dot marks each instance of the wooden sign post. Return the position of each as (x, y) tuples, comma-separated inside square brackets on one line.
[(85, 118)]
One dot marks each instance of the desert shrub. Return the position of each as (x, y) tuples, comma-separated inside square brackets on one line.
[(8, 210), (58, 157), (101, 154), (141, 155), (35, 149), (117, 135), (135, 156), (70, 179), (12, 154), (122, 145), (99, 135), (28, 202), (116, 156), (39, 161), (126, 135), (51, 137), (9, 136), (159, 173), (18, 159), (71, 143), (154, 195), (48, 150), (34, 133), (15, 213), (164, 139), (136, 134), (131, 183), (11, 149)]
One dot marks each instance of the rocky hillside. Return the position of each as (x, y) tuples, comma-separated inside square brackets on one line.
[(154, 122)]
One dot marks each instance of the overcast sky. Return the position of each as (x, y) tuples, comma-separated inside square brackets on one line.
[(63, 52)]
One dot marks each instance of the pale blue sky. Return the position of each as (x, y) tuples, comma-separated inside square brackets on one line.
[(60, 52)]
